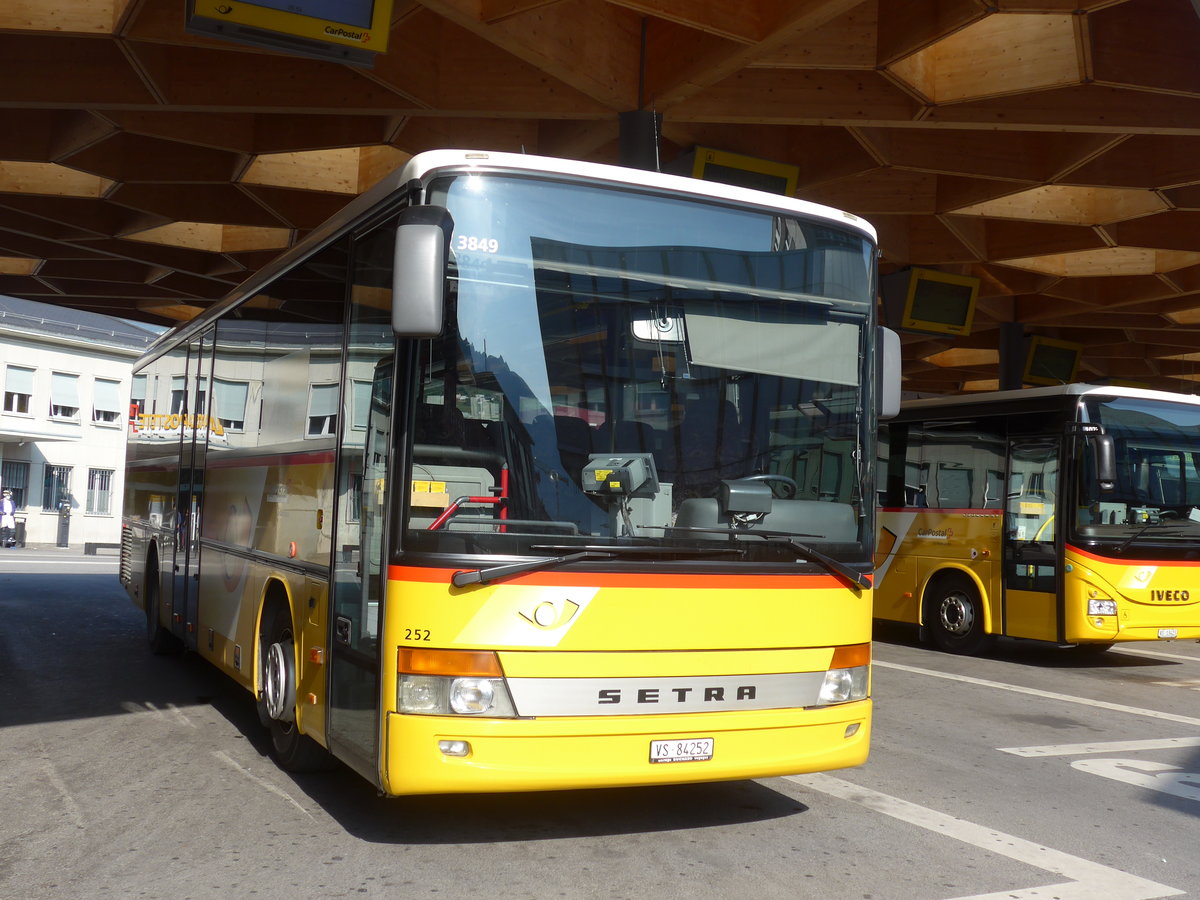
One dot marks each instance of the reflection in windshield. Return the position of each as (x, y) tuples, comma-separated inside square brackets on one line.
[(1156, 495), (626, 380)]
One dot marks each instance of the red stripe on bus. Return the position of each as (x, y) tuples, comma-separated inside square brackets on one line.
[(1114, 561), (299, 458), (627, 580), (943, 510)]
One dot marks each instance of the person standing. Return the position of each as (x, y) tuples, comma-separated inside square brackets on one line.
[(7, 523)]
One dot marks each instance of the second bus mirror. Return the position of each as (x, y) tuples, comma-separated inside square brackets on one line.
[(1104, 454), (887, 373), (419, 274)]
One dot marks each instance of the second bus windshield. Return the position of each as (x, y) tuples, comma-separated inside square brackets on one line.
[(611, 358)]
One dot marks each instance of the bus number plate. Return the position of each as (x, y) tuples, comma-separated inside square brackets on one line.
[(1168, 633), (690, 750)]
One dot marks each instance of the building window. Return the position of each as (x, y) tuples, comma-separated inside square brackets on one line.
[(14, 476), (137, 396), (56, 487), (360, 404), (106, 401), (229, 403), (322, 410), (99, 495), (178, 389), (18, 389), (64, 396)]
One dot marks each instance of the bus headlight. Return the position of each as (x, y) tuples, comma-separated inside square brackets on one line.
[(848, 677), (452, 682), (844, 685), (1101, 607)]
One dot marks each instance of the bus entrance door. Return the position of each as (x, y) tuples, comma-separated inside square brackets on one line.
[(360, 563), (193, 445), (1032, 561)]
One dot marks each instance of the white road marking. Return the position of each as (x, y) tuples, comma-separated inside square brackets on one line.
[(1170, 780), (59, 785), (1156, 654), (1191, 684), (1101, 747), (1048, 695), (265, 785), (1088, 880)]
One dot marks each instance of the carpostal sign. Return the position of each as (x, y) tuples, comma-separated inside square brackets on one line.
[(169, 426), (365, 23)]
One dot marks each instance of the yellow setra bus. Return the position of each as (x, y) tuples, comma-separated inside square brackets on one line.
[(527, 474), (1068, 514)]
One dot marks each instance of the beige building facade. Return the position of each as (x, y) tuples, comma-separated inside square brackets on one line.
[(66, 391)]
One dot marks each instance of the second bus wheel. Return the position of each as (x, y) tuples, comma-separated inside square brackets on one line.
[(954, 615), (296, 752)]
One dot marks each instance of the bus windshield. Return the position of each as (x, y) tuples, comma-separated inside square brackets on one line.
[(625, 368), (1156, 496)]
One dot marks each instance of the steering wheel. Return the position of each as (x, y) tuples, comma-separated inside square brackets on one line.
[(789, 485)]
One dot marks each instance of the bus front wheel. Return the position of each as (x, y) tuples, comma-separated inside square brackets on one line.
[(296, 752), (954, 615)]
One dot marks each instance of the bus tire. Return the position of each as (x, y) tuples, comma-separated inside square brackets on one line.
[(954, 615), (293, 751), (160, 641)]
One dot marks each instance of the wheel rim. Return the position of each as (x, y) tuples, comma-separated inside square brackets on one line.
[(957, 614), (277, 674)]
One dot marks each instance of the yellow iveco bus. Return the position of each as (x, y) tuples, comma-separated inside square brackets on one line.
[(1068, 514), (528, 474)]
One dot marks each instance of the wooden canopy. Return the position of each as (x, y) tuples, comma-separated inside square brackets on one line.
[(1050, 148)]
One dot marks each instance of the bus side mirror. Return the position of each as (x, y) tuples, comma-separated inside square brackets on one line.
[(422, 253), (887, 373), (1104, 455)]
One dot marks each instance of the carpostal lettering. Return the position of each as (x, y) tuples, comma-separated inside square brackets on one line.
[(1171, 596), (361, 36), (677, 695), (935, 534)]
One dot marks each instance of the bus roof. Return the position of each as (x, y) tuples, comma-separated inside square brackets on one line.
[(424, 165), (1041, 395)]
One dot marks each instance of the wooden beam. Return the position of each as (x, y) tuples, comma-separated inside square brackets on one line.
[(717, 62), (588, 46), (798, 98)]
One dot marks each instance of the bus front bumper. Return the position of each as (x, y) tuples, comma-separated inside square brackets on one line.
[(614, 751)]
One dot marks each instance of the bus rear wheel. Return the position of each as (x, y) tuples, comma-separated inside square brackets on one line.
[(160, 641), (294, 751), (954, 615)]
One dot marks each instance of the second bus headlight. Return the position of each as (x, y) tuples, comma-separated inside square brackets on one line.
[(848, 677), (844, 685), (1101, 607)]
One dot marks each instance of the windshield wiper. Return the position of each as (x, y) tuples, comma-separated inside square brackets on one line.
[(1137, 534), (788, 538), (494, 573), (838, 568)]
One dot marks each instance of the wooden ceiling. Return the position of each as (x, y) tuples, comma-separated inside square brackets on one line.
[(1050, 148)]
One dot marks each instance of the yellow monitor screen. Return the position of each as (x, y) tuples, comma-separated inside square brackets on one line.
[(350, 31), (929, 301), (708, 164), (1051, 361)]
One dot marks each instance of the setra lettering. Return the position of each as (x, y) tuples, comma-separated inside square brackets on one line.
[(677, 694)]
